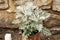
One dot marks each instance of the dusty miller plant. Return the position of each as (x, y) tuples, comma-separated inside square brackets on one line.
[(31, 18)]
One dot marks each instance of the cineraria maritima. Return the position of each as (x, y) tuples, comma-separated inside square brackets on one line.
[(31, 18)]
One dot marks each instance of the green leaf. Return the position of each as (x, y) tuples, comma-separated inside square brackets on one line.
[(46, 32)]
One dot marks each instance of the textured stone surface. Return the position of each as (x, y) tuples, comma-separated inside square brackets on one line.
[(53, 21), (6, 19), (14, 33), (3, 4), (20, 2), (44, 4), (57, 37), (56, 5), (11, 6)]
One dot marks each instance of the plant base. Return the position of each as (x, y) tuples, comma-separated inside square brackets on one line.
[(34, 37)]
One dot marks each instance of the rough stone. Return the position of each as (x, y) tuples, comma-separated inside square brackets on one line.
[(56, 5), (57, 37), (44, 4), (53, 20), (14, 33), (11, 6), (20, 2), (6, 19), (4, 4)]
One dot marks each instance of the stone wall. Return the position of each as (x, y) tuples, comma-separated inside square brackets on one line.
[(15, 33), (44, 4), (7, 14), (6, 17), (7, 8)]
